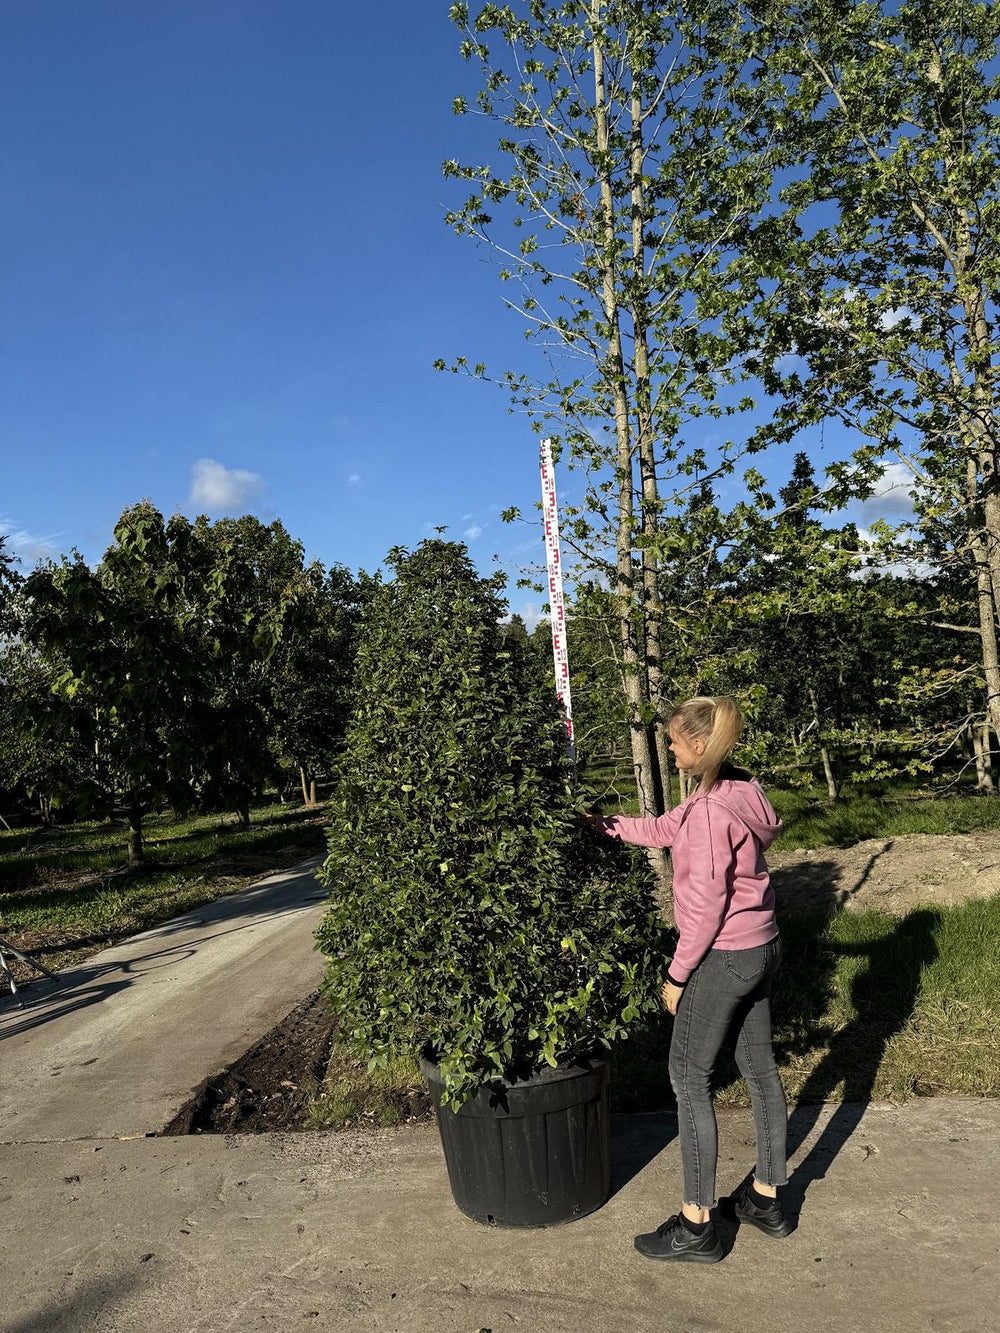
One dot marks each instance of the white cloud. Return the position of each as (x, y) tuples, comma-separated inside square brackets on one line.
[(354, 479), (892, 494), (890, 318), (472, 533), (830, 314), (218, 488), (530, 613), (27, 547), (905, 567)]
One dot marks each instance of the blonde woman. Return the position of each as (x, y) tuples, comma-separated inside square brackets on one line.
[(719, 981)]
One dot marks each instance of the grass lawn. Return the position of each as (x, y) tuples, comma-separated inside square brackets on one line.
[(865, 1006), (67, 892)]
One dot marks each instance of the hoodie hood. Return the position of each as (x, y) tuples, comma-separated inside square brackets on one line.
[(745, 799)]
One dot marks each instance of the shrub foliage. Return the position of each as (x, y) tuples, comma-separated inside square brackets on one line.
[(472, 912)]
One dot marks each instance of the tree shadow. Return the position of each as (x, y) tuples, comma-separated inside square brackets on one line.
[(90, 982)]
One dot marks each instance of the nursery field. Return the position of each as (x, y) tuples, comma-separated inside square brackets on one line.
[(887, 990)]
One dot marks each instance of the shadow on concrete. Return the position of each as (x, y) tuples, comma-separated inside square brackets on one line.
[(92, 982), (636, 1140), (86, 1305)]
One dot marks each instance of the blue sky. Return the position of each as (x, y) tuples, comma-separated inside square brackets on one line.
[(226, 275)]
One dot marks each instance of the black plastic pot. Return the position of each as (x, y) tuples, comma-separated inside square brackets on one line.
[(529, 1153)]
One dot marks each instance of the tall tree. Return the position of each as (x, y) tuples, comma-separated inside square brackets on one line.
[(627, 187), (130, 673), (310, 673), (255, 572), (883, 252)]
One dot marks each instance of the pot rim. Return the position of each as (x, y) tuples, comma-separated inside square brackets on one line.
[(580, 1065)]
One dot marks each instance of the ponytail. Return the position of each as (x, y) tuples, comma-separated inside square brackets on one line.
[(719, 723)]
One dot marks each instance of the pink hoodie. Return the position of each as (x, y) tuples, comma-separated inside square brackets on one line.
[(722, 890)]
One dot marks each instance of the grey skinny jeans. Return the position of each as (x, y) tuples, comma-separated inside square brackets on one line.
[(728, 994)]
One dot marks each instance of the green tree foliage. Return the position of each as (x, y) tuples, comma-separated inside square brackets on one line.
[(255, 573), (45, 764), (617, 204), (471, 909), (310, 673), (180, 670), (880, 258), (127, 635), (9, 581)]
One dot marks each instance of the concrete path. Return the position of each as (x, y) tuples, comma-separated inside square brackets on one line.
[(106, 1229), (356, 1232), (116, 1045)]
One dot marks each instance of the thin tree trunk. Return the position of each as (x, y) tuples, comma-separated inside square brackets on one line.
[(980, 426), (984, 771), (985, 603), (831, 782), (632, 667), (136, 849), (305, 789), (651, 609), (312, 791)]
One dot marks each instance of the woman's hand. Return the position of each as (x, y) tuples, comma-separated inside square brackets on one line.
[(671, 996)]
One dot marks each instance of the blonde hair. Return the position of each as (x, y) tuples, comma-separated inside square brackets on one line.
[(718, 722)]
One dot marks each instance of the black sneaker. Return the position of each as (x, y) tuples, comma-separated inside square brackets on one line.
[(770, 1219), (673, 1241)]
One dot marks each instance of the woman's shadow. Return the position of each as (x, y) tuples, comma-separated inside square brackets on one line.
[(884, 990)]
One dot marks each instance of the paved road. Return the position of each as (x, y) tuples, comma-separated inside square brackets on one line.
[(118, 1043), (356, 1232)]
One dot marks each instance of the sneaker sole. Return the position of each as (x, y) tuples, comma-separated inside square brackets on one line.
[(775, 1231), (684, 1256)]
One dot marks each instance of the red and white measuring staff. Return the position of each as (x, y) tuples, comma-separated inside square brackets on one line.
[(550, 518)]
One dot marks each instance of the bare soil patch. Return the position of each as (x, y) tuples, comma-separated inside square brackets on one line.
[(269, 1087), (893, 875)]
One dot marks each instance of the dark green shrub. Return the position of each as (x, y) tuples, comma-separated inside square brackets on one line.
[(472, 911)]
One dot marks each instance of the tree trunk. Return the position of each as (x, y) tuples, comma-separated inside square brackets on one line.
[(136, 849), (45, 811), (668, 782), (980, 425), (651, 608), (985, 604), (243, 814), (831, 782), (984, 770), (305, 788), (312, 791), (633, 664)]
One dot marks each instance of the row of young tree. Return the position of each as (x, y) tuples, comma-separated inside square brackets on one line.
[(846, 670), (755, 218), (196, 664)]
